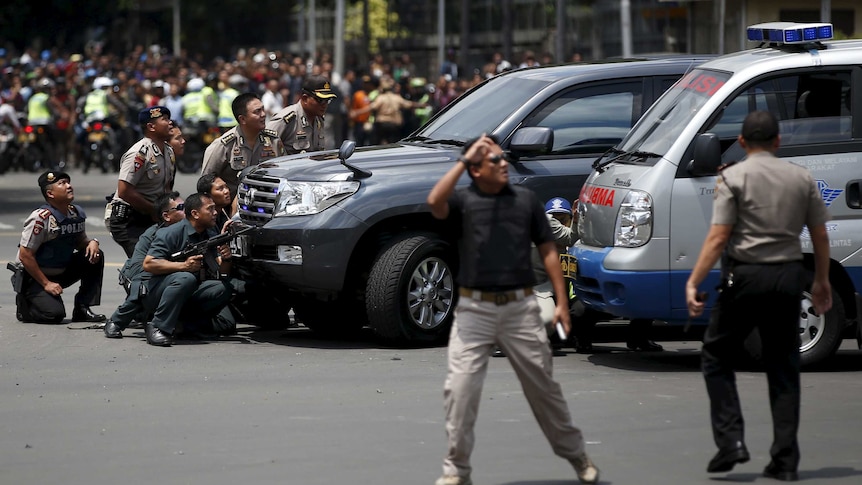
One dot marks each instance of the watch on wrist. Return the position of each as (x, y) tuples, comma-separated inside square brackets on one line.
[(97, 241)]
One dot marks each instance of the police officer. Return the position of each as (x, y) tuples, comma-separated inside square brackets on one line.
[(40, 112), (245, 145), (300, 125), (132, 275), (54, 253), (188, 290), (146, 171), (760, 208)]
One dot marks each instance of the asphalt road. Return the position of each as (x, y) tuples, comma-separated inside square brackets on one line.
[(267, 407)]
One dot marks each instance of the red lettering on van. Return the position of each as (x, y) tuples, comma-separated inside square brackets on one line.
[(599, 196)]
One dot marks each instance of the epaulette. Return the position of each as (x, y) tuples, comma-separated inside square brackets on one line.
[(44, 213), (270, 133), (228, 138), (289, 117)]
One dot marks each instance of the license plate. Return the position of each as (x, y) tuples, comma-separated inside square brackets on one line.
[(239, 246), (569, 265), (96, 136)]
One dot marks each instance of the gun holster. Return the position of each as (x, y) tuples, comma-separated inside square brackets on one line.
[(19, 274), (121, 212)]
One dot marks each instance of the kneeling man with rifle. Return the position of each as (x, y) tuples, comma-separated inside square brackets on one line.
[(187, 260)]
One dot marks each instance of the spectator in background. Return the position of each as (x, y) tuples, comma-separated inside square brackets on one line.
[(272, 99)]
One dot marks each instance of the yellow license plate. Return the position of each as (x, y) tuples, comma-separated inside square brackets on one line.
[(569, 265), (96, 136)]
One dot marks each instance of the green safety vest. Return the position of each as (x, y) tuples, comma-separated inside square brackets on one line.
[(96, 105), (195, 108), (225, 108), (37, 109)]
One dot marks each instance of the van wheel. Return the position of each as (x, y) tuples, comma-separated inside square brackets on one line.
[(411, 290), (819, 335)]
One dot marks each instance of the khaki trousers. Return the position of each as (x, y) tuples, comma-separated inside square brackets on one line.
[(518, 330)]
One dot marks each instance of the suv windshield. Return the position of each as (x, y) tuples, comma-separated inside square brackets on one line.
[(662, 124), (482, 110)]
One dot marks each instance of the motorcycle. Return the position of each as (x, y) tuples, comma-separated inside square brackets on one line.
[(198, 137), (34, 152), (99, 149), (8, 147)]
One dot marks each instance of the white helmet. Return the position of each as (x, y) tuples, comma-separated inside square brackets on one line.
[(102, 82), (195, 84)]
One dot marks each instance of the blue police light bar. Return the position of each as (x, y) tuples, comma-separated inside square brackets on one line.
[(789, 32)]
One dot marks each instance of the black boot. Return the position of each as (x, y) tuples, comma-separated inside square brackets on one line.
[(83, 313)]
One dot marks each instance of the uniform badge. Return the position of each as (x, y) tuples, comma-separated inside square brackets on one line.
[(37, 227), (139, 161)]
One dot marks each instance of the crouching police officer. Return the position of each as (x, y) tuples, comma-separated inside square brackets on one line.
[(55, 253)]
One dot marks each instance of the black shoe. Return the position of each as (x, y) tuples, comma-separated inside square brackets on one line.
[(644, 346), (727, 458), (84, 314), (112, 330), (157, 337), (584, 348), (774, 471)]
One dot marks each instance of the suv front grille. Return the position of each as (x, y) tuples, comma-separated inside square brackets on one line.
[(256, 198)]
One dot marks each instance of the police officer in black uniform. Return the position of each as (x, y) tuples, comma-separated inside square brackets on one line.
[(55, 253), (761, 206)]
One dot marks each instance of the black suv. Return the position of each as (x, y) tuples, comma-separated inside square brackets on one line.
[(352, 243)]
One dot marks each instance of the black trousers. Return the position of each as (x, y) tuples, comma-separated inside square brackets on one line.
[(127, 230), (43, 307), (766, 297)]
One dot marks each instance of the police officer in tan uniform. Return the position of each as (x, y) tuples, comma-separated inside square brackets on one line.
[(53, 254), (146, 171), (760, 208), (244, 145), (300, 125)]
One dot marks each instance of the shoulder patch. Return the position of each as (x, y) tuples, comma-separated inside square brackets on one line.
[(289, 117), (727, 165), (270, 133), (228, 138)]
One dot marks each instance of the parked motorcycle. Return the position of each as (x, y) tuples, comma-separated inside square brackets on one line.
[(99, 148), (8, 147)]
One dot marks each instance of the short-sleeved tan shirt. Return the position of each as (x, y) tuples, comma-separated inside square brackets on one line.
[(298, 132), (149, 169), (767, 201), (230, 154)]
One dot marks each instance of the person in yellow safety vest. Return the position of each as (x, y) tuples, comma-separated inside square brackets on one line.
[(41, 113), (226, 119), (420, 94), (96, 101), (210, 95), (195, 108)]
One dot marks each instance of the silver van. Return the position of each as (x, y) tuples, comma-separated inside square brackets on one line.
[(647, 205)]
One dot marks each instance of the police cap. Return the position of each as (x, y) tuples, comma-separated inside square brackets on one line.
[(318, 86), (50, 177), (154, 113)]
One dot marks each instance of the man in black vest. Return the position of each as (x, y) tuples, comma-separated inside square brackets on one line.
[(55, 253)]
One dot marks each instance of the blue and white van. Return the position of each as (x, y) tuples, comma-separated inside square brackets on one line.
[(646, 207)]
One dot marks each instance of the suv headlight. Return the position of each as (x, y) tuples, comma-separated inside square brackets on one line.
[(634, 220), (304, 198)]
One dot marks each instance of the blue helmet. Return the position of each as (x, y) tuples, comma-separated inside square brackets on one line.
[(558, 205)]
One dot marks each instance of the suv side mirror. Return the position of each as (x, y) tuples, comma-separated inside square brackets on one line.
[(707, 155), (534, 139), (346, 149)]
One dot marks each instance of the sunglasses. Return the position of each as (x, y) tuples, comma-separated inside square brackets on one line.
[(319, 100), (179, 207), (495, 159)]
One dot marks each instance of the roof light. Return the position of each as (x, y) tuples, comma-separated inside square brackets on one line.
[(789, 32)]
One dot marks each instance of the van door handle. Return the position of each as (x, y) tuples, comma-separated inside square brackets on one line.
[(853, 194)]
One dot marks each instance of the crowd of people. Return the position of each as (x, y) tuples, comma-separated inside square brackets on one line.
[(65, 92)]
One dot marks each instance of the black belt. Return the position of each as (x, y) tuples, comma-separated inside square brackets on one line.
[(496, 297)]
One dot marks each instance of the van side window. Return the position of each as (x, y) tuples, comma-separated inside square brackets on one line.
[(811, 108), (590, 120)]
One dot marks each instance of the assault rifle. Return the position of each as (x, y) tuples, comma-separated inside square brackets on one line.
[(194, 249)]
